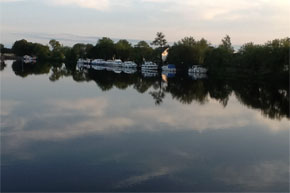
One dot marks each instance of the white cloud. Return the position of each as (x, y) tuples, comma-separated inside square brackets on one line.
[(262, 176), (244, 20), (9, 1), (91, 4)]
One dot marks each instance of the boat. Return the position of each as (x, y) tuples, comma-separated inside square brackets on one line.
[(29, 59), (196, 76), (168, 74), (169, 68), (98, 62), (84, 61), (97, 67), (197, 69), (117, 63), (117, 70), (149, 73), (149, 66), (129, 70), (129, 64)]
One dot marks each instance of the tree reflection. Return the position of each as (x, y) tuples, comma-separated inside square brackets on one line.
[(24, 70), (2, 65), (270, 97)]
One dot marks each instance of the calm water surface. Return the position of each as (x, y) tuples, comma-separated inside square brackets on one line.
[(83, 131)]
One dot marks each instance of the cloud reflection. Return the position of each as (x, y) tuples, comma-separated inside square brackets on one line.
[(65, 119)]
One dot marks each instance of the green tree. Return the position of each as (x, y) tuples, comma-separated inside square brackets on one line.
[(21, 48), (227, 44), (220, 59), (57, 51), (41, 52), (142, 51), (160, 40), (104, 49), (123, 49), (54, 44), (4, 50), (188, 52), (142, 44), (1, 48)]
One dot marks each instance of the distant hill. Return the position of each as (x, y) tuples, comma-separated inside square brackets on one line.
[(43, 38)]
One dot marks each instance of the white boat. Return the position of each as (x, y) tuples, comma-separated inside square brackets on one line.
[(197, 69), (97, 67), (169, 74), (149, 73), (29, 59), (169, 68), (130, 70), (129, 64), (196, 76), (117, 62), (98, 62), (84, 61), (149, 66)]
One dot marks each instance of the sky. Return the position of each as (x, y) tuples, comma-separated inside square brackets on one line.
[(85, 20)]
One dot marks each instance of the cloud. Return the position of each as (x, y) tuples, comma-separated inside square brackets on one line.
[(262, 176), (133, 180), (244, 20), (67, 119), (9, 1), (91, 4)]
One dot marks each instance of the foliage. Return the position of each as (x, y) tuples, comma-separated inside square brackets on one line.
[(160, 40), (272, 57), (188, 52), (57, 53), (142, 51), (251, 59), (123, 50), (104, 49), (4, 50), (23, 47)]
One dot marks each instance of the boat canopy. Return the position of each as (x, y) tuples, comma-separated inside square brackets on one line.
[(171, 66)]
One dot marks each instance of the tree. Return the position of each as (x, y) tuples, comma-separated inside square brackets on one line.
[(142, 44), (42, 52), (21, 48), (104, 49), (4, 50), (141, 51), (188, 52), (160, 40), (188, 41), (54, 44), (58, 54), (227, 44), (123, 49), (219, 59), (202, 47)]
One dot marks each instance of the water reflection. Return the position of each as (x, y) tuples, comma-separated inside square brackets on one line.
[(204, 135), (2, 65), (272, 98)]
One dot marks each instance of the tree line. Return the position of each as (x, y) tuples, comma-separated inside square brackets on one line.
[(269, 58)]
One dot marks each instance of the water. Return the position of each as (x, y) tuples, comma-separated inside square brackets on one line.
[(100, 131)]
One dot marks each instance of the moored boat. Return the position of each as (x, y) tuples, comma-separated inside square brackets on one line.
[(129, 64), (29, 59), (169, 68), (98, 62), (149, 66), (197, 69)]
